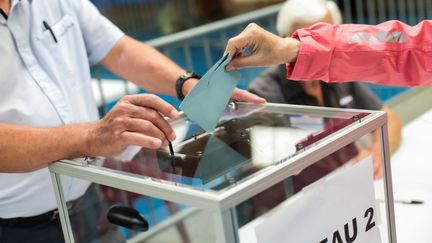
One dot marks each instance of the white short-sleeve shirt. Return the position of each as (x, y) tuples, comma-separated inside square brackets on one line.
[(44, 83)]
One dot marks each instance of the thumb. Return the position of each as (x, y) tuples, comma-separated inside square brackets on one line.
[(237, 45), (243, 62)]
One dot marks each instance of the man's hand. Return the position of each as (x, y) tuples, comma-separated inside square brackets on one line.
[(243, 95), (134, 120), (267, 49)]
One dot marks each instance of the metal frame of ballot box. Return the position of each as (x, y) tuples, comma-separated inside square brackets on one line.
[(222, 204)]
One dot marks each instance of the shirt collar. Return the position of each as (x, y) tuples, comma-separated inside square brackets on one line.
[(2, 19), (14, 2)]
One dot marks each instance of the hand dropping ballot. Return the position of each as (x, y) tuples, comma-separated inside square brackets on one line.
[(207, 100)]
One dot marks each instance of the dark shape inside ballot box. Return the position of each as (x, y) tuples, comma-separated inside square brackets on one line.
[(215, 160)]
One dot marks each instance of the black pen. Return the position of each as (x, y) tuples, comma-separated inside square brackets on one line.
[(172, 157), (412, 202), (46, 25), (409, 201), (171, 149)]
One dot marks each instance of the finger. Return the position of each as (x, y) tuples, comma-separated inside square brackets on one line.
[(356, 159), (243, 95), (378, 174), (145, 127), (237, 44), (147, 114), (360, 156), (242, 41), (154, 102), (231, 47), (156, 118), (142, 140), (252, 60), (377, 170)]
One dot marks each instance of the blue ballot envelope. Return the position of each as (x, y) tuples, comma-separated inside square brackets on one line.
[(206, 102)]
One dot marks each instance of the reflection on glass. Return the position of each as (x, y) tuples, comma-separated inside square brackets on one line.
[(90, 223), (87, 217), (274, 143), (248, 138)]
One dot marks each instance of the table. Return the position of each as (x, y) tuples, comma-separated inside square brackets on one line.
[(412, 180)]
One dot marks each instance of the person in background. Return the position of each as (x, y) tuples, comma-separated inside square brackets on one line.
[(48, 112), (275, 87)]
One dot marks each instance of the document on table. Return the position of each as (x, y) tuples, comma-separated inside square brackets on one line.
[(206, 102)]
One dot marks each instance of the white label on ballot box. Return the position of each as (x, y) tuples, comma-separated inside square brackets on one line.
[(338, 209)]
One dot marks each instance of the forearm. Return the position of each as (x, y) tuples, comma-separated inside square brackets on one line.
[(151, 70), (394, 126), (388, 53), (134, 120), (143, 65), (24, 149)]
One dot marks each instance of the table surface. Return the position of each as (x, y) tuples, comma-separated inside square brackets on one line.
[(412, 180)]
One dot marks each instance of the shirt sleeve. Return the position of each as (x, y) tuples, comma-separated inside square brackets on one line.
[(364, 98), (100, 35), (391, 53)]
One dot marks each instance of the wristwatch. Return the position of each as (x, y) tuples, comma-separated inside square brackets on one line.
[(180, 81)]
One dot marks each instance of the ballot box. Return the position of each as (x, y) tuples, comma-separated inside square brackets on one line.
[(267, 173)]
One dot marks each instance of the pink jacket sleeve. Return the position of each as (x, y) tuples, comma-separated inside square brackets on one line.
[(391, 53)]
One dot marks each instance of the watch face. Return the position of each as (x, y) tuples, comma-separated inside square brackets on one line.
[(187, 74)]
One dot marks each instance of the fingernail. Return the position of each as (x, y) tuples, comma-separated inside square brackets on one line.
[(157, 143), (172, 137), (174, 114), (229, 67)]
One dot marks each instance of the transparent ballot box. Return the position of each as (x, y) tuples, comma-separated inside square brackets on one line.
[(267, 173)]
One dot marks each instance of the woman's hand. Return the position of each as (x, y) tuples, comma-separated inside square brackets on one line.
[(266, 48)]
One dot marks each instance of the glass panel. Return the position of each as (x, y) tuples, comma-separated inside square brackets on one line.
[(306, 195), (95, 218), (298, 202), (248, 138)]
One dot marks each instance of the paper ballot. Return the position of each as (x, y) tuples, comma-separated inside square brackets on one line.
[(206, 102), (217, 160)]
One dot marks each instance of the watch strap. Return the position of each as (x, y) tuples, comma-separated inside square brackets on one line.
[(181, 80)]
